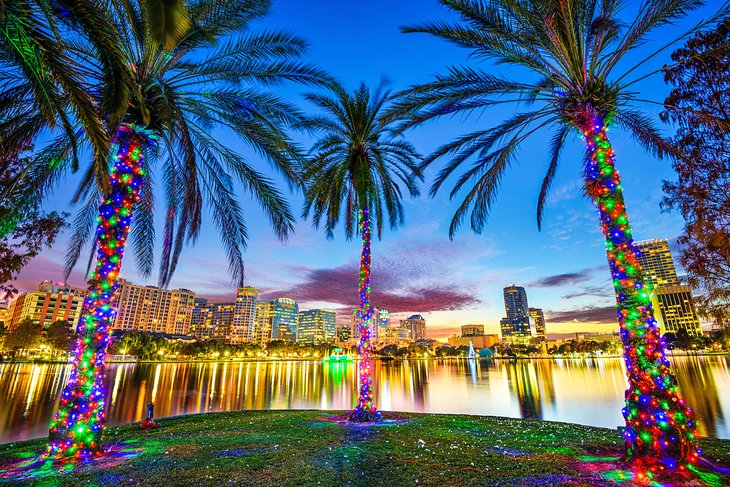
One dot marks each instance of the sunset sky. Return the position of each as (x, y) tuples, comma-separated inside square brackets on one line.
[(416, 269)]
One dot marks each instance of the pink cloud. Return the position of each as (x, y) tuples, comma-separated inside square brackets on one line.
[(41, 269)]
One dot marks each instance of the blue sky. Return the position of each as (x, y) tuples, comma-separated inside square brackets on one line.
[(417, 269)]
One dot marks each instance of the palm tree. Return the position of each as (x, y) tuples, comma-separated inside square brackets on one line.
[(210, 78), (573, 49), (355, 173), (41, 86)]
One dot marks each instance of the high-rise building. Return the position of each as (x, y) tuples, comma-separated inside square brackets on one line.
[(60, 288), (417, 325), (244, 317), (674, 307), (383, 320), (344, 335), (656, 262), (5, 312), (516, 325), (472, 330), (51, 302), (398, 335), (316, 326), (212, 321), (154, 310), (379, 323), (284, 319), (539, 319), (199, 319), (276, 320), (676, 310), (354, 324), (264, 317)]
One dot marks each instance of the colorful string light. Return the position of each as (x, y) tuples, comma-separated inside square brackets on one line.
[(77, 427), (365, 410), (660, 432)]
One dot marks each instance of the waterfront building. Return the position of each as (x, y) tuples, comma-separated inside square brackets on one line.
[(399, 335), (674, 307), (244, 316), (516, 325), (599, 337), (316, 326), (354, 326), (417, 325), (154, 310), (677, 310), (344, 335), (51, 302), (479, 341), (199, 319), (264, 317), (538, 317), (656, 262), (212, 321), (284, 319), (5, 312), (383, 321), (379, 324), (472, 330)]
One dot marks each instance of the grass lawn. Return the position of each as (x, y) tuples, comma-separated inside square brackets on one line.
[(314, 448)]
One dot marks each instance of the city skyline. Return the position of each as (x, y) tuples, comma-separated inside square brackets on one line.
[(417, 269)]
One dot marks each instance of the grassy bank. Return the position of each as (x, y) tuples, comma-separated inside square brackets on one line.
[(313, 448)]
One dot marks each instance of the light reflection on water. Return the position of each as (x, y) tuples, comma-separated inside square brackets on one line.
[(586, 391)]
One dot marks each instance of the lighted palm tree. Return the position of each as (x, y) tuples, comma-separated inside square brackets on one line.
[(576, 81), (355, 173), (209, 78)]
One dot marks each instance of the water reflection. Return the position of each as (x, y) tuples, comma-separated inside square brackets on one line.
[(532, 383), (582, 391), (703, 396)]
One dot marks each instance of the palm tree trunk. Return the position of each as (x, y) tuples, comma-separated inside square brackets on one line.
[(365, 411), (77, 427), (660, 430)]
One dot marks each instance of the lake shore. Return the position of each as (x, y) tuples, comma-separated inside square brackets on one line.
[(385, 359), (319, 448)]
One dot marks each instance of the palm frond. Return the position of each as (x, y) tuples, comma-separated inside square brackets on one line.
[(556, 147), (169, 21), (358, 160), (82, 233), (571, 48)]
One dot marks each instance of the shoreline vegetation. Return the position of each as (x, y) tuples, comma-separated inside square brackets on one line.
[(670, 354), (313, 447)]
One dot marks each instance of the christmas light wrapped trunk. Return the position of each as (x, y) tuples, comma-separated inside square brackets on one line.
[(365, 410), (660, 431), (77, 427)]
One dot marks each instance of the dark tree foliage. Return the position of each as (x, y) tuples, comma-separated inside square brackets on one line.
[(59, 336), (25, 230), (699, 106), (24, 336)]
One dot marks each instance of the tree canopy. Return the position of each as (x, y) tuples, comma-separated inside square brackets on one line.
[(699, 106), (358, 161), (574, 60), (23, 336)]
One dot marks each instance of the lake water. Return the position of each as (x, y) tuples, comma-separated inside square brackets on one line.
[(586, 391)]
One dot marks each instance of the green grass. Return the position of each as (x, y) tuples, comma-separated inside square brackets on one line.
[(311, 448)]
